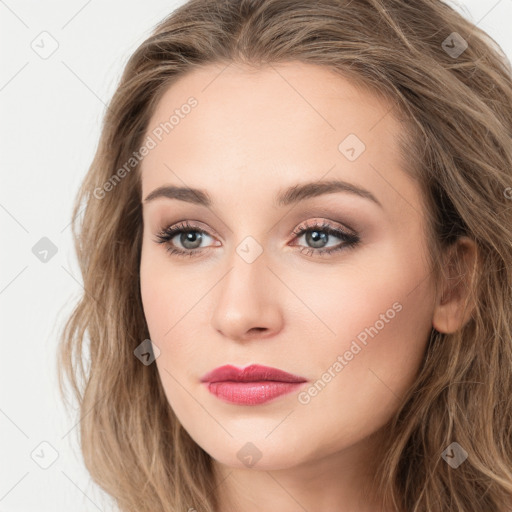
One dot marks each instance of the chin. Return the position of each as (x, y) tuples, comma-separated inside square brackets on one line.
[(252, 456)]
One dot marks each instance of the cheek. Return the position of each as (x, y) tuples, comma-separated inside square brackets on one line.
[(165, 290), (383, 294), (366, 376), (164, 306), (382, 320), (162, 295), (153, 293), (172, 298)]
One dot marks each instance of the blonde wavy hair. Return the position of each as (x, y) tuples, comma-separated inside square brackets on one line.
[(457, 115)]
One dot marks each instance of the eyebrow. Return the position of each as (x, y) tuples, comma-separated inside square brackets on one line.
[(284, 198)]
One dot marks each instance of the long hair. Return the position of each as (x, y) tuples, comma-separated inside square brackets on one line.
[(450, 85)]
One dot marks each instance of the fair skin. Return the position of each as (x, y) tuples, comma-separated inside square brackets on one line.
[(252, 135)]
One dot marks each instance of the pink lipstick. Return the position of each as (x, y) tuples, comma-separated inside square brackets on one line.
[(252, 385)]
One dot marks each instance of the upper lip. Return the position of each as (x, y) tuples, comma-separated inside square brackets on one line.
[(252, 373)]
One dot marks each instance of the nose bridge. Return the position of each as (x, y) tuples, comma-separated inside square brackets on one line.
[(247, 298), (249, 266)]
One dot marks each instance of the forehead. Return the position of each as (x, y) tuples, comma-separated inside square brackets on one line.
[(274, 125)]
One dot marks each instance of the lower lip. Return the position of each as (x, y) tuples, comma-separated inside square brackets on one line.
[(251, 393)]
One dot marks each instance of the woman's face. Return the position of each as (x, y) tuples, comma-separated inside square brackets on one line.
[(279, 269)]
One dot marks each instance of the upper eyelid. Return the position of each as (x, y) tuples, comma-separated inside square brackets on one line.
[(324, 224), (309, 224)]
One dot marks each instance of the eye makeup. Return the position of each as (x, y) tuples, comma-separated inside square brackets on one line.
[(314, 232)]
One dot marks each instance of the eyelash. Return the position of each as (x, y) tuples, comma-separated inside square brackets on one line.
[(349, 240)]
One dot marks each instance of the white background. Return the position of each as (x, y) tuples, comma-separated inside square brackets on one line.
[(51, 111)]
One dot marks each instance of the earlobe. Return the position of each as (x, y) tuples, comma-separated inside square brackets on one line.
[(455, 304)]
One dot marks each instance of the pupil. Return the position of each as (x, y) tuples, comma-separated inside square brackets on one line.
[(316, 237), (192, 237)]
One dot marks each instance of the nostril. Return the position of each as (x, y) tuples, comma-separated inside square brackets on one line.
[(258, 329)]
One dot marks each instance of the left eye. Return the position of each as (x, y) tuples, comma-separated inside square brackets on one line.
[(191, 237), (318, 235)]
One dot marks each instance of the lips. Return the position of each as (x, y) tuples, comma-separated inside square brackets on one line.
[(254, 385), (252, 373)]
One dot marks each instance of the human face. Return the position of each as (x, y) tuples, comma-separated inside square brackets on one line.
[(353, 323)]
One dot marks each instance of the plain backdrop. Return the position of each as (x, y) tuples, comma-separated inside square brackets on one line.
[(61, 61)]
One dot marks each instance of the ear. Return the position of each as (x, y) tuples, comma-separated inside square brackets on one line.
[(454, 304)]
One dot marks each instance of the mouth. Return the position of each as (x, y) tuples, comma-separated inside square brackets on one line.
[(252, 385)]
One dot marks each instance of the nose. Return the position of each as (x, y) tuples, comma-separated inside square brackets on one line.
[(247, 305)]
